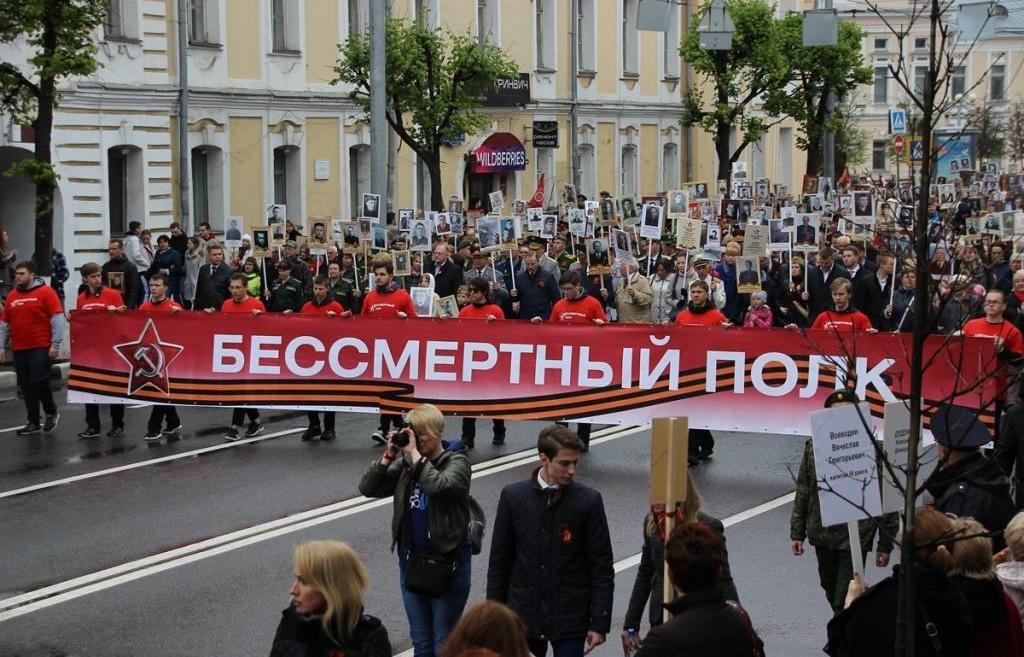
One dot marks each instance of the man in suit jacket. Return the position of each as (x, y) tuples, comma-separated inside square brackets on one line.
[(212, 285), (447, 275), (859, 275), (819, 279), (877, 289)]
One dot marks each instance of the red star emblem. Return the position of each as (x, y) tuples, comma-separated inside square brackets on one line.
[(149, 359)]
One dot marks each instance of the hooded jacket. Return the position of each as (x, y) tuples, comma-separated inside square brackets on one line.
[(299, 636), (702, 625), (975, 487), (1011, 574)]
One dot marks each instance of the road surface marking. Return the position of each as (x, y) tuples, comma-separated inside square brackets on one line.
[(77, 587)]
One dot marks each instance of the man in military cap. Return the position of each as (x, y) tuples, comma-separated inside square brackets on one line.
[(560, 255), (965, 483)]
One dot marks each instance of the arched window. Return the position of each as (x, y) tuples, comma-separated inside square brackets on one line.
[(125, 190), (359, 175), (669, 167), (288, 180), (208, 186), (628, 186)]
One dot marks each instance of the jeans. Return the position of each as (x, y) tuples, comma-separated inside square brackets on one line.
[(431, 619), (160, 413), (559, 648), (92, 415), (238, 416), (32, 368)]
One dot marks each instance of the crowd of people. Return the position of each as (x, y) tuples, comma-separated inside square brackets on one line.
[(851, 277)]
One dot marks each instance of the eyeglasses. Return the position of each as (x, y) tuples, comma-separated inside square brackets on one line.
[(993, 302)]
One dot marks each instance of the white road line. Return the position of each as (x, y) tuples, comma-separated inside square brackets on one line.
[(142, 464), (80, 586), (133, 406), (634, 560)]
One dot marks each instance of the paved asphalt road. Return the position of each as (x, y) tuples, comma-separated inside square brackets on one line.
[(191, 556)]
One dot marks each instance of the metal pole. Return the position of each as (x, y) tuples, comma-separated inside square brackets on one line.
[(378, 103), (574, 156), (183, 150), (829, 140)]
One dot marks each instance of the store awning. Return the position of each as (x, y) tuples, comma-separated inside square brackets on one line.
[(498, 153)]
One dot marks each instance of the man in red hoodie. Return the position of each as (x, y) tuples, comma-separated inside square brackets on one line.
[(97, 297), (843, 318), (480, 307), (34, 319), (386, 300), (239, 301), (159, 302), (322, 303)]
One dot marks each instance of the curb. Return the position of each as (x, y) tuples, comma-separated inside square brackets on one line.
[(58, 372)]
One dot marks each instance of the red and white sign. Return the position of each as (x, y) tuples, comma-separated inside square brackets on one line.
[(897, 144), (757, 380)]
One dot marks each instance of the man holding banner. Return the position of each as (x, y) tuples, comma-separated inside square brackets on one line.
[(480, 308), (241, 302)]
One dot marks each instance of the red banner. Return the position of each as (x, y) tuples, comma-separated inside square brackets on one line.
[(755, 380)]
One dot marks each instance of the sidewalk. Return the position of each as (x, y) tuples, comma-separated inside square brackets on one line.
[(8, 379)]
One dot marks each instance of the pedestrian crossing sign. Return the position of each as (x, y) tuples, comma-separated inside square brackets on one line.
[(897, 122)]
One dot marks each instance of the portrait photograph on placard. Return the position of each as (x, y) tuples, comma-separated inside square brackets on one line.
[(405, 219), (677, 204), (844, 203), (755, 240), (338, 230), (653, 221), (1007, 225), (441, 224), (488, 231), (699, 189), (422, 300), (621, 244), (761, 191), (458, 223), (548, 225), (777, 234), (577, 221), (947, 196), (598, 256), (349, 232), (688, 231), (810, 185), (863, 206), (419, 236), (568, 194), (806, 228), (497, 199), (759, 216), (748, 274), (318, 237), (365, 229), (731, 210), (260, 241), (403, 262), (609, 215), (380, 238), (449, 307), (115, 280), (519, 208), (534, 217), (370, 207), (277, 234), (628, 205), (509, 233), (593, 210), (277, 213), (455, 205)]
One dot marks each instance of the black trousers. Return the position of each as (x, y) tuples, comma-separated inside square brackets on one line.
[(238, 416), (582, 430), (314, 419), (469, 428), (32, 369), (387, 420), (702, 443), (92, 415), (160, 413)]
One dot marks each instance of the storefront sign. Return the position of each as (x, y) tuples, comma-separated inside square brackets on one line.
[(545, 134), (509, 91), (500, 152)]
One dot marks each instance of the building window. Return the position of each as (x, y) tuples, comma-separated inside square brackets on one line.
[(630, 39), (920, 43), (586, 29), (487, 12), (203, 22), (122, 21), (124, 188), (284, 22), (959, 83), (881, 44), (920, 76), (208, 186), (669, 167), (671, 42), (426, 12), (785, 173), (997, 81), (545, 167), (881, 94), (878, 147), (628, 185), (288, 179), (358, 17), (757, 166), (588, 172), (544, 30), (359, 178)]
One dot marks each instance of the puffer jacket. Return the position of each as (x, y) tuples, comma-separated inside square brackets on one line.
[(446, 483)]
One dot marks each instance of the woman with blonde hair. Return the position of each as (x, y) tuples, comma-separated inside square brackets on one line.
[(326, 614), (489, 626)]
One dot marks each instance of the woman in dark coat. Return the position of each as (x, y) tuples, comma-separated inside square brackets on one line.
[(649, 583), (326, 616)]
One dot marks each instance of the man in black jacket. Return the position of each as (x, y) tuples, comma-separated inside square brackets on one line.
[(819, 282), (447, 275), (535, 292), (212, 285), (120, 274), (551, 555)]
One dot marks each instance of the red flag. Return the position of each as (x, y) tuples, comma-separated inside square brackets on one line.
[(844, 179), (537, 200)]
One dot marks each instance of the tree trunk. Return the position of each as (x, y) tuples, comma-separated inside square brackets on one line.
[(43, 126), (723, 151), (433, 162), (814, 160)]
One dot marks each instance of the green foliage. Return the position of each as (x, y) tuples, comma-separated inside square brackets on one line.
[(817, 70), (60, 35), (1015, 133), (756, 66), (434, 81), (34, 170), (852, 141)]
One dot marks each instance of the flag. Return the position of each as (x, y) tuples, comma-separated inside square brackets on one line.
[(537, 200), (844, 179)]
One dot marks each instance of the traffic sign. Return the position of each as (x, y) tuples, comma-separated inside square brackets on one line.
[(897, 121), (917, 151), (897, 144)]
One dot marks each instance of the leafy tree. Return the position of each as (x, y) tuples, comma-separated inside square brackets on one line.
[(990, 136), (1015, 133), (754, 67), (852, 141), (60, 35), (818, 70), (434, 82)]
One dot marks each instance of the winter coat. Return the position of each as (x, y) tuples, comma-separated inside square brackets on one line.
[(663, 299), (650, 577), (299, 636), (537, 294), (758, 318), (902, 318), (997, 628), (194, 261), (212, 289), (1011, 574), (551, 559), (446, 483), (172, 261), (805, 520), (702, 625), (635, 308), (132, 285), (955, 314), (975, 487), (1009, 452), (287, 295), (868, 625)]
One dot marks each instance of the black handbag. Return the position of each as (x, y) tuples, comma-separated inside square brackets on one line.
[(429, 574)]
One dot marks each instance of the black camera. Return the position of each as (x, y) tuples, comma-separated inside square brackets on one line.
[(401, 438)]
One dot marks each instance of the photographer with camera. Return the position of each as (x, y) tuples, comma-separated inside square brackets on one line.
[(430, 485)]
